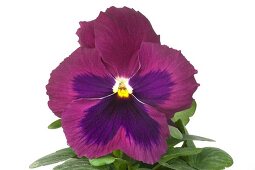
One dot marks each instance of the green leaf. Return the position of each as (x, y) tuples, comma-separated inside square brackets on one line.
[(177, 152), (120, 164), (194, 137), (177, 164), (105, 160), (175, 133), (184, 131), (77, 164), (211, 159), (135, 167), (172, 142), (117, 153), (56, 157), (55, 125), (185, 114)]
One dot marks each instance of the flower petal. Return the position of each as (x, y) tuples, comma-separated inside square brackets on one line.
[(94, 128), (86, 34), (119, 33), (81, 75), (165, 79)]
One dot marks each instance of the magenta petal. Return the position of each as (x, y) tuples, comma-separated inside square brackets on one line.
[(81, 75), (94, 128), (119, 33), (165, 80), (86, 34)]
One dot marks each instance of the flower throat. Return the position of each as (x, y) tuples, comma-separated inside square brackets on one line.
[(122, 88)]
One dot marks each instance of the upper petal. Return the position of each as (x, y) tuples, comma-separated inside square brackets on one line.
[(165, 79), (119, 33), (86, 34), (81, 75), (97, 127)]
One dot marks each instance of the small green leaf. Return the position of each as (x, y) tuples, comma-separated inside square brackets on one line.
[(211, 159), (56, 157), (172, 142), (120, 164), (135, 167), (184, 131), (105, 160), (117, 153), (177, 164), (185, 114), (177, 152), (77, 164), (199, 138), (175, 133), (55, 125)]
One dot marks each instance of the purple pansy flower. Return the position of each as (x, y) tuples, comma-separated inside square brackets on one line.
[(120, 87)]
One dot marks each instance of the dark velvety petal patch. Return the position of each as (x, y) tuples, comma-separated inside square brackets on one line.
[(153, 87), (103, 121), (92, 86)]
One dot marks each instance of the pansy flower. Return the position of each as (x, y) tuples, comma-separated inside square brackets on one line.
[(118, 90)]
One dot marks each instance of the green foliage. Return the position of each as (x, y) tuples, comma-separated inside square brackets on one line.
[(178, 152), (120, 164), (105, 160), (117, 153), (177, 164), (172, 141), (182, 128), (78, 164), (185, 114), (175, 133), (55, 125), (211, 159), (56, 157), (194, 137)]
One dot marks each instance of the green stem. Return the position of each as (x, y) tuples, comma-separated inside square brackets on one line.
[(156, 167), (183, 130), (129, 166), (115, 165)]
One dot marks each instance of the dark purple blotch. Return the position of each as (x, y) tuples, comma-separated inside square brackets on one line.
[(152, 88), (103, 121), (92, 86)]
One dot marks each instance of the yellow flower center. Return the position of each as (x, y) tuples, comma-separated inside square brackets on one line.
[(122, 88)]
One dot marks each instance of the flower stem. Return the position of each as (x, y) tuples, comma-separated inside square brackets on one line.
[(129, 166), (156, 167)]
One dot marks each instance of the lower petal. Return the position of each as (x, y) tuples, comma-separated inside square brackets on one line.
[(97, 127)]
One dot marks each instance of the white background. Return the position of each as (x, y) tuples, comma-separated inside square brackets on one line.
[(217, 37)]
